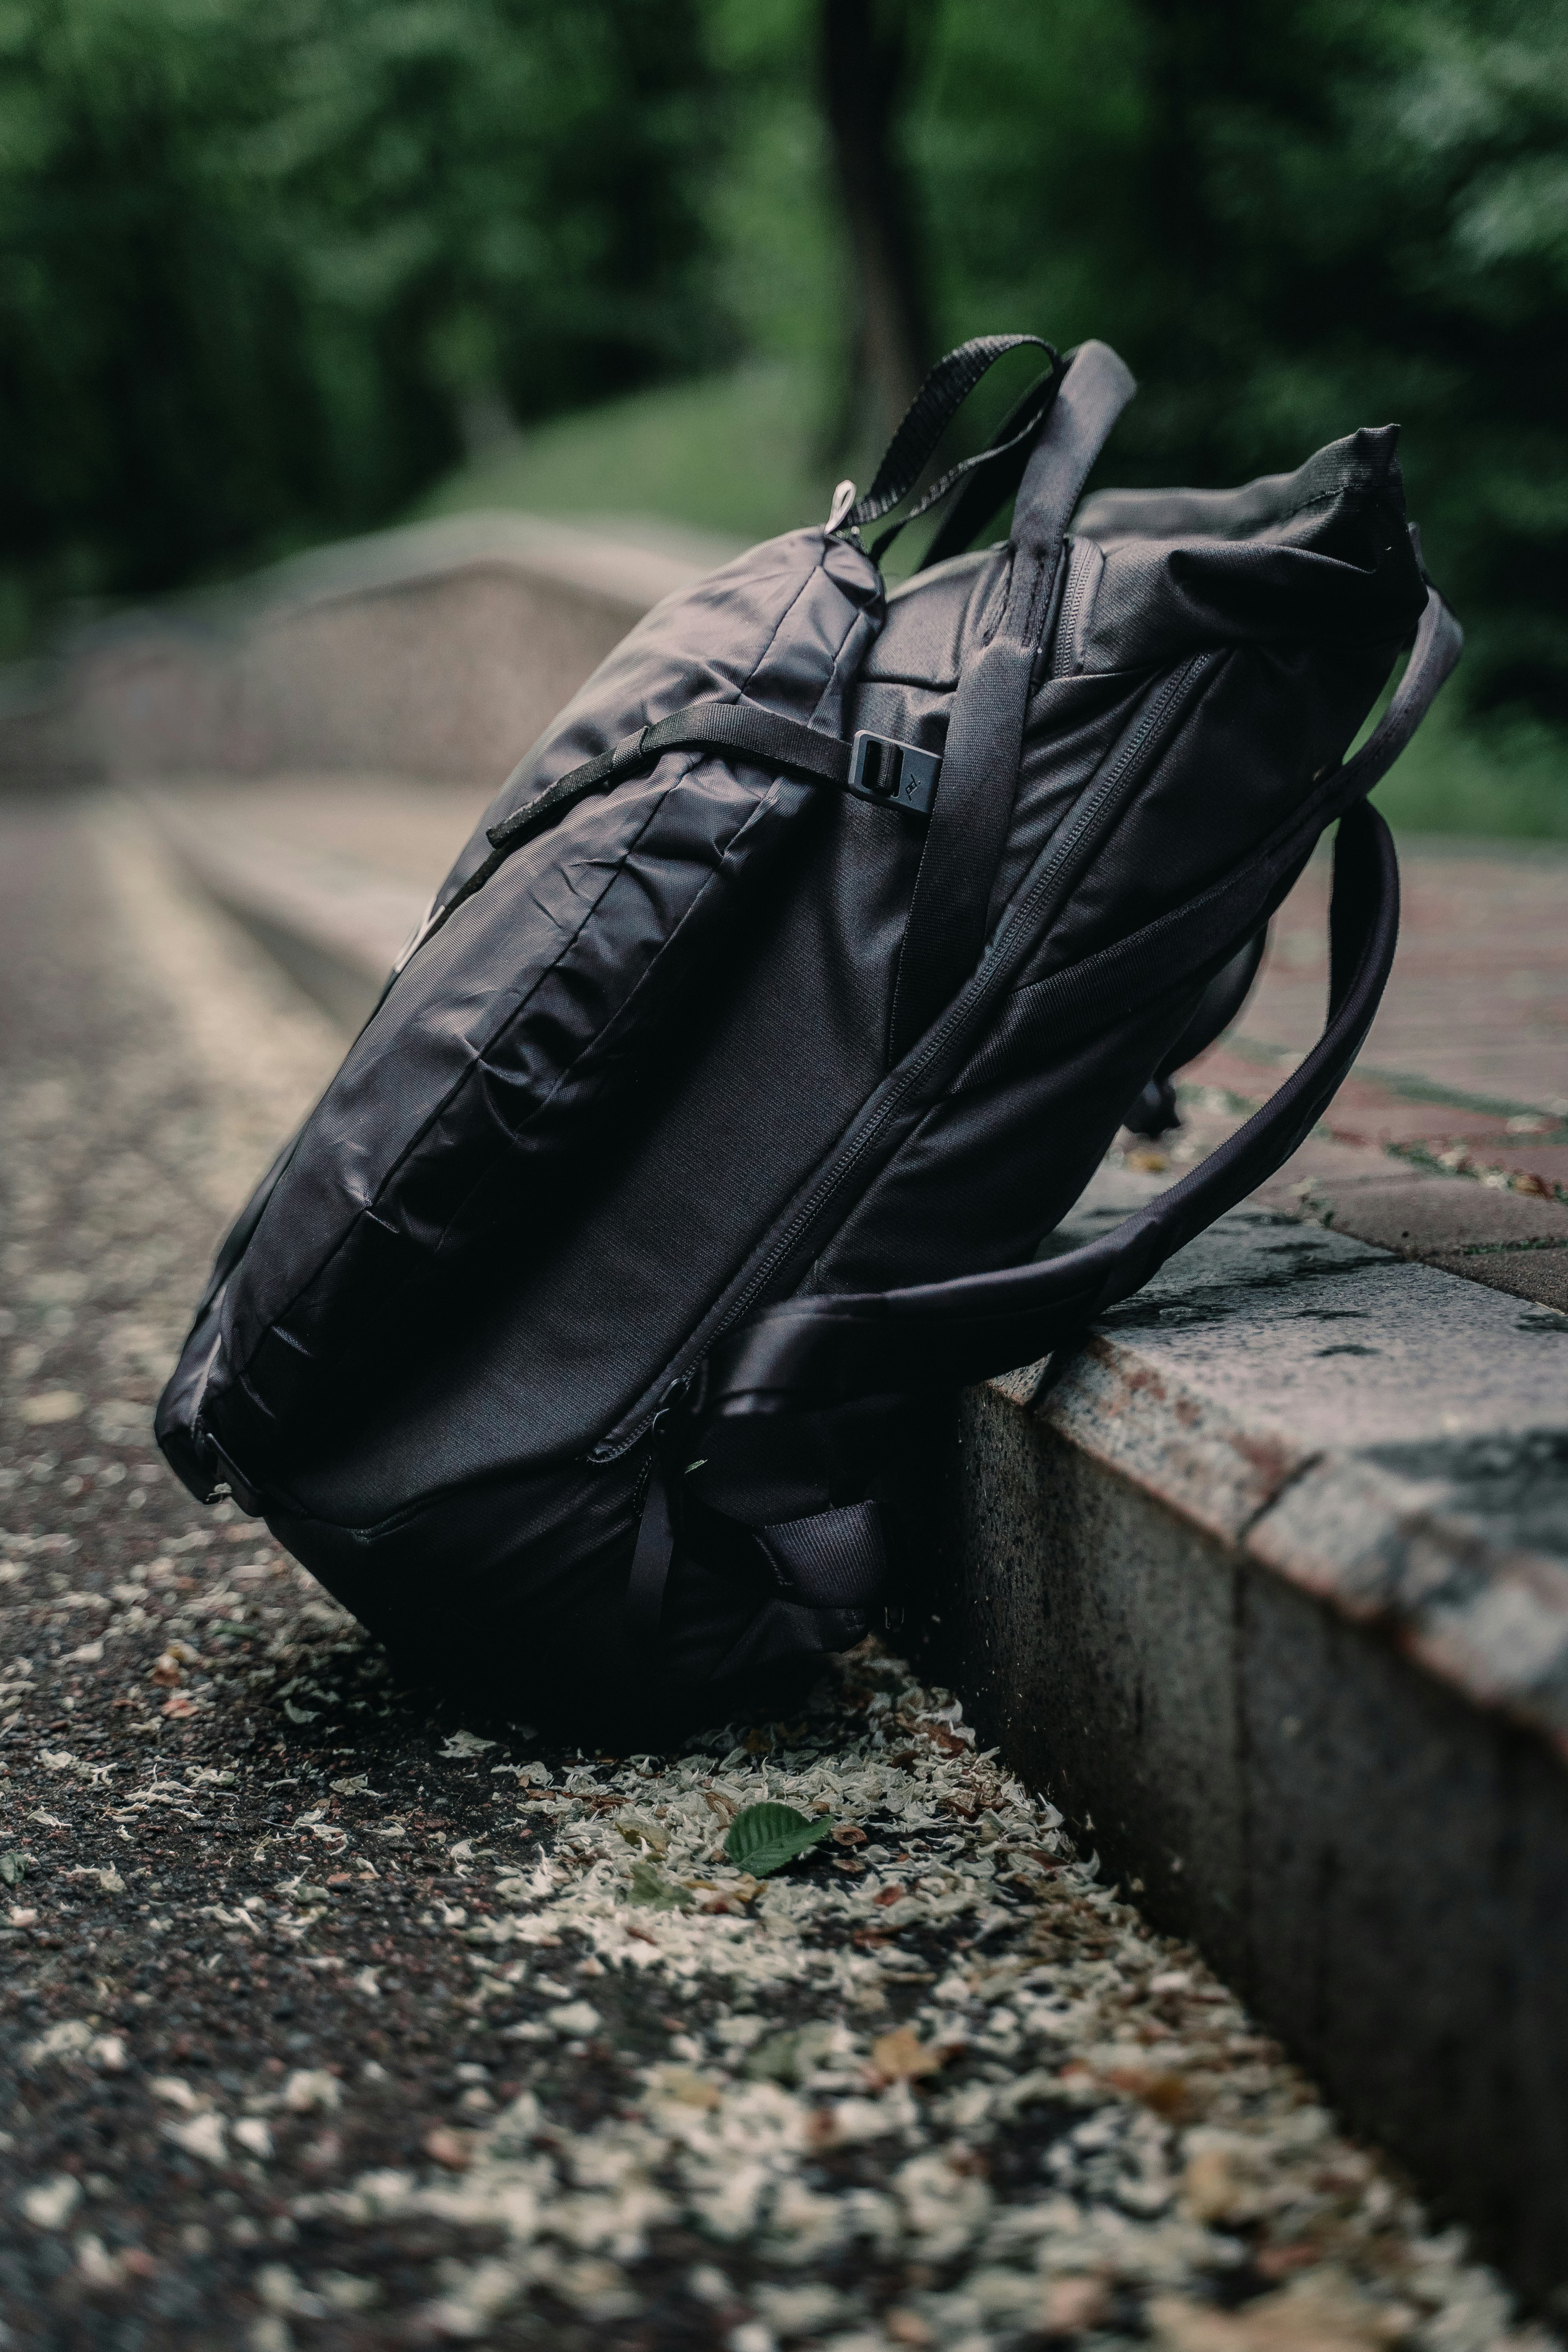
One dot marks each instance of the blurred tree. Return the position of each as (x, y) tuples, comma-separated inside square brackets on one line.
[(267, 270), (263, 270), (156, 398), (1292, 221), (867, 54)]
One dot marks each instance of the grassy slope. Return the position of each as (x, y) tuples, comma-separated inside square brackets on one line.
[(742, 455), (732, 454)]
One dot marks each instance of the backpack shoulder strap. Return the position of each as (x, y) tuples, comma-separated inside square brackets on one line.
[(973, 806), (817, 1350)]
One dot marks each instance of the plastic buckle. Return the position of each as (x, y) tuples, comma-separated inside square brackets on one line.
[(883, 770)]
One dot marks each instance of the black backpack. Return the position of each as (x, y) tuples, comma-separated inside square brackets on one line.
[(788, 996)]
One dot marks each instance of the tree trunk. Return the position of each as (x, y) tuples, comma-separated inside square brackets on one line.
[(864, 56)]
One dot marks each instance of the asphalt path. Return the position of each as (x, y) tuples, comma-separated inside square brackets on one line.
[(336, 2016)]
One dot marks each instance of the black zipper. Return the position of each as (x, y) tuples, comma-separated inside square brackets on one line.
[(1098, 804), (1083, 561)]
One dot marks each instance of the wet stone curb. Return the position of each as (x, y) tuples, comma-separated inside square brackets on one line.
[(1267, 1587)]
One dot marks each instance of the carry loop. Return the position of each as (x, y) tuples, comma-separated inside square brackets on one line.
[(996, 473), (974, 810), (929, 415), (812, 1350)]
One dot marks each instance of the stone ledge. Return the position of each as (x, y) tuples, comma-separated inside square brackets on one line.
[(437, 651), (1506, 1239), (1268, 1588), (336, 924), (630, 568)]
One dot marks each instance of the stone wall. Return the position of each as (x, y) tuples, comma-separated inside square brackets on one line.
[(439, 651)]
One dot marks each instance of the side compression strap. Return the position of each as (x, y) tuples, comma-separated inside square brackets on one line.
[(817, 1351), (742, 726), (745, 727)]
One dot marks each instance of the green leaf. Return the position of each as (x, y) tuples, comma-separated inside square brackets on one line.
[(649, 1887), (764, 1837), (12, 1868)]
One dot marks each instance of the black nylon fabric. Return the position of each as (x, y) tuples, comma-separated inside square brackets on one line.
[(833, 1559), (484, 1072), (720, 1076)]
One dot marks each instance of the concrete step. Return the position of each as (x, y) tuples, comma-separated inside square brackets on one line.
[(329, 873), (1268, 1586)]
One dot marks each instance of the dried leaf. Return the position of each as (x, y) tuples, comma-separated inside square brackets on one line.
[(467, 1743), (683, 2086), (649, 1887), (1323, 2312), (902, 2057), (789, 2057), (637, 1829)]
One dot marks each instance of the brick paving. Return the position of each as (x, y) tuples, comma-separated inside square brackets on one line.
[(1477, 1008), (1449, 1141)]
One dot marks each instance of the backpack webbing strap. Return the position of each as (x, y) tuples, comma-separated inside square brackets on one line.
[(973, 808), (995, 474), (817, 1351), (745, 727), (833, 1559), (651, 1556), (927, 418)]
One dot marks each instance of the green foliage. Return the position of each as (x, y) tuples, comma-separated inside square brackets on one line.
[(270, 274), (1293, 220), (1504, 774), (263, 270), (736, 454), (764, 1838)]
